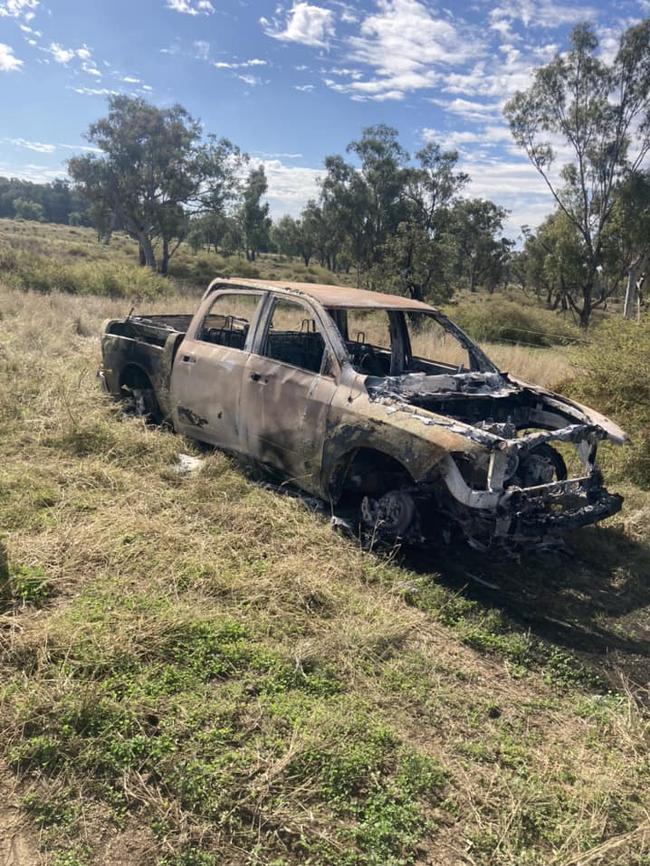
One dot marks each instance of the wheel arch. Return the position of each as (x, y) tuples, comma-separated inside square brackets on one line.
[(366, 460)]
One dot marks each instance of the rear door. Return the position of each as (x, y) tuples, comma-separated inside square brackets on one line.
[(287, 389), (209, 367)]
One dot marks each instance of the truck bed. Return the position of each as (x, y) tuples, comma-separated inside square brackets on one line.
[(150, 329)]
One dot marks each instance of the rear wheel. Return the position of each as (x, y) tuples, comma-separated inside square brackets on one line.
[(138, 396)]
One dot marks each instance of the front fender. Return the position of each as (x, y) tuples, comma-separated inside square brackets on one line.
[(414, 439), (578, 412)]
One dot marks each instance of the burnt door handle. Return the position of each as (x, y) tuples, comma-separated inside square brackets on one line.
[(188, 359)]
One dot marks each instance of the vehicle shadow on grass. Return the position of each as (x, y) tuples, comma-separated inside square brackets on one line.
[(591, 596)]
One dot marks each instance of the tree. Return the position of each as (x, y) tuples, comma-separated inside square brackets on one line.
[(154, 172), (383, 171), (600, 113), (631, 234), (419, 251), (28, 210), (481, 251), (433, 185), (285, 236), (346, 213), (253, 215)]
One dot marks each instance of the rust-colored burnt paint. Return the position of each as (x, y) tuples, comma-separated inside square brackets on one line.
[(231, 380), (333, 296)]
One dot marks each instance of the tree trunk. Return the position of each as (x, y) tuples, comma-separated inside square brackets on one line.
[(472, 278), (631, 293), (164, 261), (141, 256), (587, 304), (147, 251)]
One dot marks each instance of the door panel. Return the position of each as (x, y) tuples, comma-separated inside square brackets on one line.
[(284, 414), (209, 367), (284, 407), (206, 386)]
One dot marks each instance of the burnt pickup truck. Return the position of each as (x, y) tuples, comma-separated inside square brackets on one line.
[(369, 400)]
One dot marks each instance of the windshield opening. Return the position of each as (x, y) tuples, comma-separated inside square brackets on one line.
[(384, 342)]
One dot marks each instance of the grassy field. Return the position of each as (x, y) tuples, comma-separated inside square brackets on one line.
[(197, 672)]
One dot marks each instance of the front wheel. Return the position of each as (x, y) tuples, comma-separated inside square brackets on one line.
[(393, 515)]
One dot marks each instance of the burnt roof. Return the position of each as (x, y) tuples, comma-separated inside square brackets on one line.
[(331, 296)]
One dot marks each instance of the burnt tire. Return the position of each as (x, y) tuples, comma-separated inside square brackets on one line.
[(393, 515)]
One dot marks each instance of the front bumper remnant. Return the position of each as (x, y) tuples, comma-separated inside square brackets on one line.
[(540, 511)]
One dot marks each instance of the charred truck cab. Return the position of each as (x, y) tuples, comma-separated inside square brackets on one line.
[(370, 399)]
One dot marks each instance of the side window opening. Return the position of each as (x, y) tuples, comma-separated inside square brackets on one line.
[(293, 337), (434, 349), (228, 321), (368, 338)]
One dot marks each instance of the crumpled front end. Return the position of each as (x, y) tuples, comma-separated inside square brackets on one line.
[(522, 463), (521, 492)]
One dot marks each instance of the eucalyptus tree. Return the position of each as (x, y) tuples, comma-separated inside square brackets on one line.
[(598, 115), (254, 216), (154, 170)]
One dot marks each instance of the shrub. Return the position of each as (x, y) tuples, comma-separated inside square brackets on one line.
[(614, 377), (23, 270), (497, 320)]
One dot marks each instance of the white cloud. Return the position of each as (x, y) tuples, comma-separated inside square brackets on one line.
[(201, 49), (246, 64), (17, 8), (307, 24), (303, 88), (35, 173), (513, 184), (96, 91), (251, 80), (538, 13), (191, 7), (42, 147), (77, 147), (130, 79), (469, 109), (290, 187), (36, 146), (61, 54), (408, 46), (8, 60), (264, 155), (84, 53), (488, 137)]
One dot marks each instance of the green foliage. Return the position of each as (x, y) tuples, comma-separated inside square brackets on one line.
[(52, 202), (28, 210), (599, 111), (155, 169), (614, 377), (24, 584), (253, 216), (113, 279), (496, 319)]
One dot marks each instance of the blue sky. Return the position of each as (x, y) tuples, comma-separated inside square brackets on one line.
[(290, 82)]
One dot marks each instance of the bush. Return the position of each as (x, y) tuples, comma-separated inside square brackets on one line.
[(614, 377), (494, 319), (23, 270)]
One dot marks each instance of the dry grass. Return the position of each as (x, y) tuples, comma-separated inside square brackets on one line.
[(44, 257), (196, 671)]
